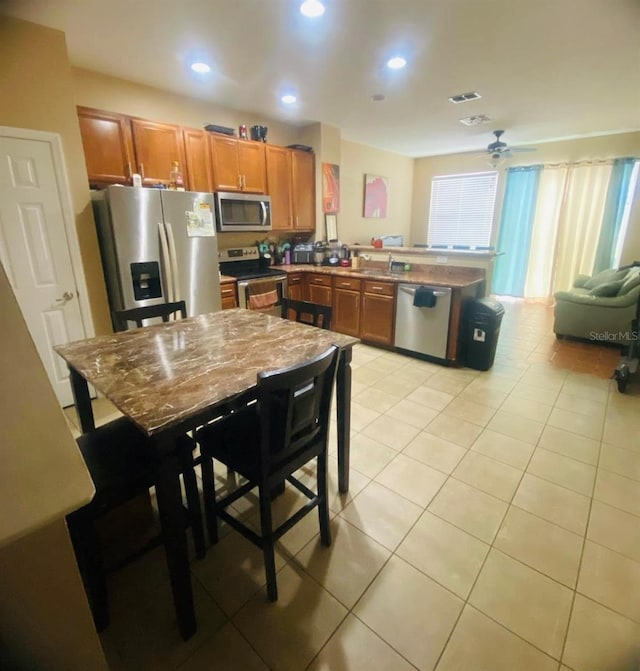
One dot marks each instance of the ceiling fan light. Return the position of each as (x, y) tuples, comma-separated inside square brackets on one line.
[(312, 9)]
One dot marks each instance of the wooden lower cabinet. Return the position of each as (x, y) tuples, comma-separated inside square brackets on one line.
[(319, 289), (229, 295), (378, 312), (346, 306), (295, 287)]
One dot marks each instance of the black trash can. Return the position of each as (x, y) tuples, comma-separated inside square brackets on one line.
[(481, 330)]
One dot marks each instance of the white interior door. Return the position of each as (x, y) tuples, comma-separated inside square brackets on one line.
[(35, 252)]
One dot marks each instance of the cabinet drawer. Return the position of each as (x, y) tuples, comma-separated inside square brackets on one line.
[(321, 280), (227, 290), (348, 283), (294, 279), (379, 288)]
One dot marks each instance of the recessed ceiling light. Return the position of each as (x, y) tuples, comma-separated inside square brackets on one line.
[(312, 8), (288, 99), (200, 68), (396, 63)]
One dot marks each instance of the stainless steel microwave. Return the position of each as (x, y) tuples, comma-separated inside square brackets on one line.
[(242, 211)]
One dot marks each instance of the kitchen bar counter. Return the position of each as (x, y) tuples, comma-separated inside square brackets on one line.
[(455, 277), (427, 251)]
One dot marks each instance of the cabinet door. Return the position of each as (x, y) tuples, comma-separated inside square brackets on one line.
[(279, 186), (377, 318), (295, 287), (252, 163), (197, 160), (304, 189), (156, 146), (108, 151), (320, 294), (224, 157), (346, 312), (228, 295)]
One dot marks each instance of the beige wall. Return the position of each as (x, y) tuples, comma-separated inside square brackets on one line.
[(36, 89), (357, 160), (609, 146)]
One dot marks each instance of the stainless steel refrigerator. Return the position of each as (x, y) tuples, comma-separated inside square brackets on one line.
[(158, 246)]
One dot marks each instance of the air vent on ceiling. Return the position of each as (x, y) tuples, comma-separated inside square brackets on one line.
[(475, 120), (465, 97)]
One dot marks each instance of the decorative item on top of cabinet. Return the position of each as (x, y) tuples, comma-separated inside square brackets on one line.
[(238, 165), (378, 305), (198, 159), (229, 294), (157, 146), (108, 147), (295, 286), (319, 288)]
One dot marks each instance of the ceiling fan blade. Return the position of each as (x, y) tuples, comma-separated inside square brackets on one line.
[(522, 149)]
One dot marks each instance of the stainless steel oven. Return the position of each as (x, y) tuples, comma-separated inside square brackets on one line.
[(260, 286)]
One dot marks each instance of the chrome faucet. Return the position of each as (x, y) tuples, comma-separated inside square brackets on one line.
[(390, 266)]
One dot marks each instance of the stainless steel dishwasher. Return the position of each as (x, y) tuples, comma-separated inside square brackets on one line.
[(423, 330)]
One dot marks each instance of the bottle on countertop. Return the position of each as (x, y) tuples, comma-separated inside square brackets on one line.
[(176, 182)]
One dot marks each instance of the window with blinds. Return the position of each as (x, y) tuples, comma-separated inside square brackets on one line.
[(461, 211)]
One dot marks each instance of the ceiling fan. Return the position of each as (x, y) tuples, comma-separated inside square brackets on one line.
[(499, 150)]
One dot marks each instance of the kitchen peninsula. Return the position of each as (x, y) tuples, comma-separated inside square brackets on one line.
[(364, 298)]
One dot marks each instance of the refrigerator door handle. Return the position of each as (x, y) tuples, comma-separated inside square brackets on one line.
[(174, 263), (166, 263)]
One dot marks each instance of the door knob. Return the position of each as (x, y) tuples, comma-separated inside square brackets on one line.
[(66, 297)]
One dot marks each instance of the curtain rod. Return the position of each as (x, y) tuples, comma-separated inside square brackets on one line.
[(571, 164)]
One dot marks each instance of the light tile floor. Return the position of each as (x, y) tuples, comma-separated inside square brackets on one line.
[(493, 523)]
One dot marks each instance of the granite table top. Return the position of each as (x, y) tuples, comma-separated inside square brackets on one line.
[(163, 375)]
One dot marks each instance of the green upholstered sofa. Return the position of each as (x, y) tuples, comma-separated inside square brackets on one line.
[(599, 308)]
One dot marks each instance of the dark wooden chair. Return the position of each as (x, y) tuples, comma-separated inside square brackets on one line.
[(268, 441), (121, 318), (307, 313), (123, 466)]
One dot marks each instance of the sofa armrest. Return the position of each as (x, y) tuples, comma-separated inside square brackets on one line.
[(583, 298)]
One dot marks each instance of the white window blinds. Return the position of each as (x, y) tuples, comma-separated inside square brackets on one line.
[(461, 211)]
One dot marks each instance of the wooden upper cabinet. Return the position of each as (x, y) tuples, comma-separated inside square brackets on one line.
[(304, 189), (156, 146), (197, 160), (279, 186), (238, 165), (108, 150)]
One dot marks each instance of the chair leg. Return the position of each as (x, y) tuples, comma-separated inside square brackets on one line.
[(89, 558), (266, 531), (209, 493), (323, 496), (193, 504)]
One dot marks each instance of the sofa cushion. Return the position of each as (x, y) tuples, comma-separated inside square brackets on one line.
[(609, 275), (607, 289)]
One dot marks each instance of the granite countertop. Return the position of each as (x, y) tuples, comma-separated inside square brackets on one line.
[(163, 375), (455, 277), (428, 251)]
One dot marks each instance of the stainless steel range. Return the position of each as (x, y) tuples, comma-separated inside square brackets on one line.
[(260, 287)]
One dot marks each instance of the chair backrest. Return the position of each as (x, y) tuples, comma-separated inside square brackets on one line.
[(121, 318), (308, 313), (294, 406)]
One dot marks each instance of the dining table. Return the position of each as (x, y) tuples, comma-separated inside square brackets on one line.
[(171, 378)]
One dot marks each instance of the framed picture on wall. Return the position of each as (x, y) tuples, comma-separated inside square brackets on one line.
[(330, 188), (375, 197)]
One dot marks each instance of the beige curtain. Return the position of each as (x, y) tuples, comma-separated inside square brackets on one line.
[(551, 189), (580, 222)]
